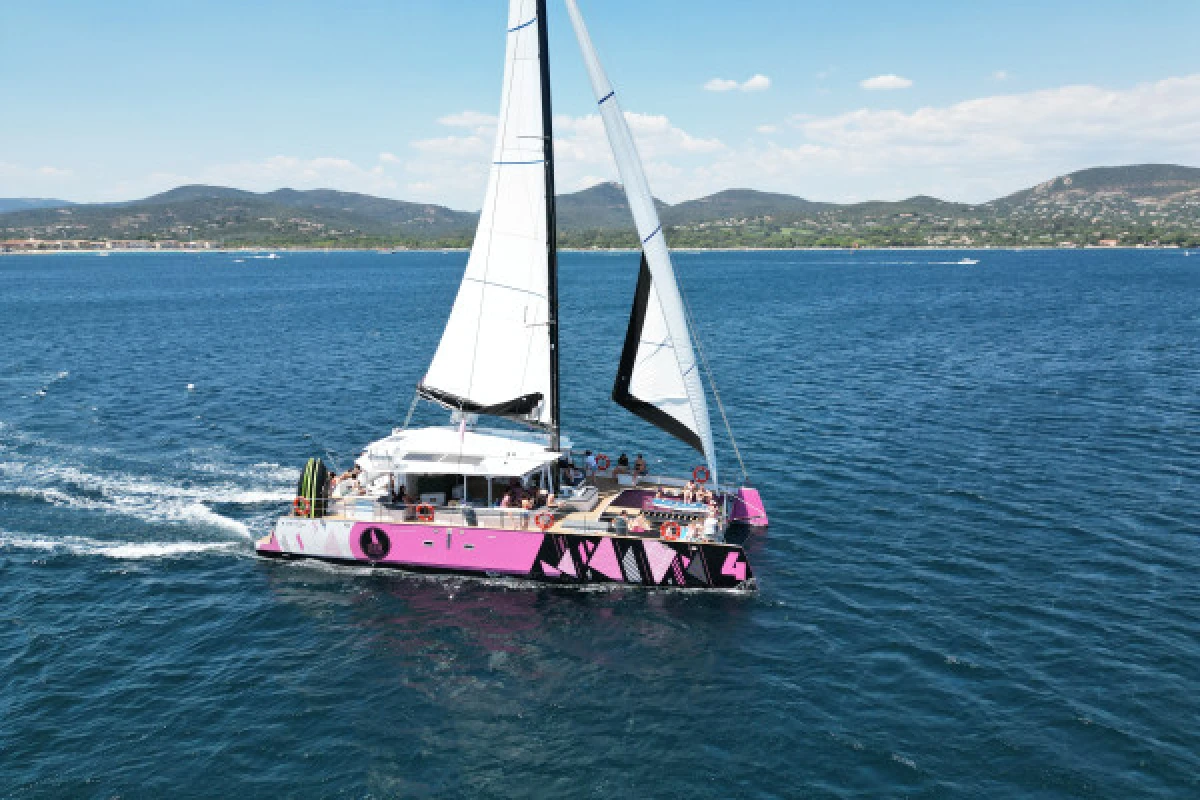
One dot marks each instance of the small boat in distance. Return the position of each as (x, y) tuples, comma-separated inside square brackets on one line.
[(969, 262), (514, 497)]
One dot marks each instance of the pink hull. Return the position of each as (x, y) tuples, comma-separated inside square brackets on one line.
[(466, 549), (748, 508), (561, 558)]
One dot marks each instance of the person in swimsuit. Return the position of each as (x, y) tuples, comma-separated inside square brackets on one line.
[(639, 466)]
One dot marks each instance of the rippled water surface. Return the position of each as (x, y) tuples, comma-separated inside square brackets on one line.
[(980, 579)]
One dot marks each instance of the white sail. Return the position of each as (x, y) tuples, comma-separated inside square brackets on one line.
[(494, 356), (659, 371)]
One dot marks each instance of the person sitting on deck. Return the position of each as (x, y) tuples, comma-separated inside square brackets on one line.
[(640, 524), (589, 465), (621, 523), (639, 466), (622, 467), (689, 492)]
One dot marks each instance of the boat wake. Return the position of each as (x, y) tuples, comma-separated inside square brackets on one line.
[(45, 389), (199, 500), (126, 551)]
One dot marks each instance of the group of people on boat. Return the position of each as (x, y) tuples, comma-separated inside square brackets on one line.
[(347, 484), (692, 494), (594, 464), (525, 498), (697, 529)]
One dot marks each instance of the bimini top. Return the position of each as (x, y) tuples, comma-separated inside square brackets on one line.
[(450, 451)]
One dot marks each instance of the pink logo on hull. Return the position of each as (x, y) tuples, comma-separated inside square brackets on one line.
[(734, 567)]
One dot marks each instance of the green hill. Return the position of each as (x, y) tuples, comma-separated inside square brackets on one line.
[(29, 203), (1131, 205)]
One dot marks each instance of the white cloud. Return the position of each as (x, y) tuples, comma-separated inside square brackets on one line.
[(455, 145), (886, 83), (1000, 75), (758, 83), (268, 174), (22, 172), (974, 150), (304, 173), (722, 85)]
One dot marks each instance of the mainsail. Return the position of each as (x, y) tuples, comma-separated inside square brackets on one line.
[(658, 378), (495, 354)]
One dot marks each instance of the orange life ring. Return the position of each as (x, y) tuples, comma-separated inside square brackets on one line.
[(544, 520), (602, 462), (701, 475), (301, 507), (670, 530), (424, 513)]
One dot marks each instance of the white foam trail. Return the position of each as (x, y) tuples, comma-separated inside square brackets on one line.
[(148, 500), (83, 546)]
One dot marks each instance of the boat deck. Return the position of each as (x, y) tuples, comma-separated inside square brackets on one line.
[(613, 499)]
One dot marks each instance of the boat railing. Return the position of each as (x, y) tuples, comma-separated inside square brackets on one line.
[(371, 509)]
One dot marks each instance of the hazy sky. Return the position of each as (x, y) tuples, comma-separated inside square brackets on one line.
[(828, 100)]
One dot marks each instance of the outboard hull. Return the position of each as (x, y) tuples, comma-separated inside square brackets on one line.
[(555, 558)]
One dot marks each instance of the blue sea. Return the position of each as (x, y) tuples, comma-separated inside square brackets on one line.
[(982, 576)]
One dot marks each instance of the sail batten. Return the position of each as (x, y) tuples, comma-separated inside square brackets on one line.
[(657, 378), (495, 356)]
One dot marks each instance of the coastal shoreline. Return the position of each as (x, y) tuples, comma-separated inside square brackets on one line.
[(615, 250)]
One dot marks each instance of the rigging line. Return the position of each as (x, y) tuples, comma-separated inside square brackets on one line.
[(412, 409), (687, 308)]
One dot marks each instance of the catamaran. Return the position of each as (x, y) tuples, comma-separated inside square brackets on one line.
[(519, 500)]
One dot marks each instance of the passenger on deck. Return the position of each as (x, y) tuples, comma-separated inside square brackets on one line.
[(621, 523), (639, 466), (622, 467), (589, 464), (640, 524), (689, 492)]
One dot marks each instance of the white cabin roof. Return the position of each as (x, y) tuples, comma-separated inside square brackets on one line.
[(446, 451)]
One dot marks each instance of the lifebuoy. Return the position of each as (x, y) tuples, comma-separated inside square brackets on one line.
[(424, 513), (701, 475), (544, 520), (602, 462), (301, 507), (670, 530)]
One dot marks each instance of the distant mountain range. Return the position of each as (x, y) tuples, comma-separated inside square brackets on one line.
[(1129, 205), (28, 203)]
